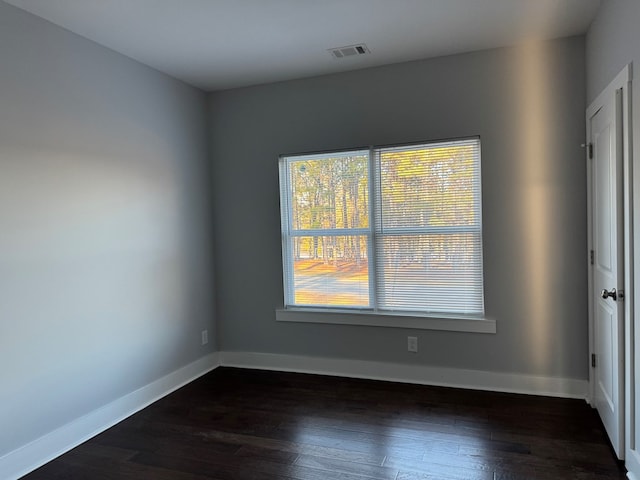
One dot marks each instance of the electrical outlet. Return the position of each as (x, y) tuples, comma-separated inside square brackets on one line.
[(205, 337), (412, 344)]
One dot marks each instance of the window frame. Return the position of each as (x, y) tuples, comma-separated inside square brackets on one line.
[(369, 315), (286, 211)]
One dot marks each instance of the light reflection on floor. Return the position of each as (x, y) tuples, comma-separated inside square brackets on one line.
[(409, 441)]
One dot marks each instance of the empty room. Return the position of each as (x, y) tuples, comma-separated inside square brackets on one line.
[(332, 239)]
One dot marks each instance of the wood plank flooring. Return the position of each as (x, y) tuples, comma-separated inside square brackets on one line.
[(235, 424)]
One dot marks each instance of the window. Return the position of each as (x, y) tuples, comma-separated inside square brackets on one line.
[(389, 229)]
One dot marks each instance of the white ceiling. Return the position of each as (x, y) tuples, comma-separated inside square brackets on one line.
[(219, 44)]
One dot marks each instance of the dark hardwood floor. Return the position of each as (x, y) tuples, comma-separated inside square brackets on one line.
[(247, 424)]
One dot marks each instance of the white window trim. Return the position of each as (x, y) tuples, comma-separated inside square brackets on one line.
[(371, 316), (451, 323)]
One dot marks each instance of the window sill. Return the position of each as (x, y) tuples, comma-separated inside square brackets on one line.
[(451, 323)]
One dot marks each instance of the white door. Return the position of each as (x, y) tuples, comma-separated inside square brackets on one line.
[(632, 454), (605, 129)]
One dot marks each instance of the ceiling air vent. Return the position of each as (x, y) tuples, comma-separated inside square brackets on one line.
[(349, 51)]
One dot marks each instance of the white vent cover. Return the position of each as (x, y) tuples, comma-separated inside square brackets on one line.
[(349, 51)]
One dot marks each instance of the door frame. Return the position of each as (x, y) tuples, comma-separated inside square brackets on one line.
[(622, 82)]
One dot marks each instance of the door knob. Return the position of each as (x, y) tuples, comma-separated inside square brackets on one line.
[(610, 294)]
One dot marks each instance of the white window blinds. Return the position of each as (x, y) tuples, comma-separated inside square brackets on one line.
[(391, 228), (429, 228)]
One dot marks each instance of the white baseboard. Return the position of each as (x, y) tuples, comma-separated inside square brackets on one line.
[(27, 458), (40, 451), (418, 374)]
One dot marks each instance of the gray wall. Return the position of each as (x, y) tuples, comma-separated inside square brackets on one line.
[(527, 104), (613, 41), (105, 230)]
